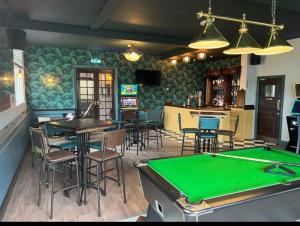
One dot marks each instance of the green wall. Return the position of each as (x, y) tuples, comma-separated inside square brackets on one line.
[(177, 81)]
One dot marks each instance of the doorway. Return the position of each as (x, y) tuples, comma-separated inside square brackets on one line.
[(270, 105), (95, 93)]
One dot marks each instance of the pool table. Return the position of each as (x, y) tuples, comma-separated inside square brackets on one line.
[(239, 185)]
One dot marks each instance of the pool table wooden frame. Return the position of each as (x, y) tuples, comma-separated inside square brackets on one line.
[(273, 203)]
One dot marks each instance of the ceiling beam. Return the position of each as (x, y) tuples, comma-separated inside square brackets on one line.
[(105, 13), (79, 30)]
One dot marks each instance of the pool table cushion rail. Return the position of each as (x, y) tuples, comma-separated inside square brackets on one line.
[(208, 205)]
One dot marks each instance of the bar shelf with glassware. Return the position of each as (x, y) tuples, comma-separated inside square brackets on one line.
[(222, 86)]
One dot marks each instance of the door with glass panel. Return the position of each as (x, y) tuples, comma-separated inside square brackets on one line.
[(95, 93)]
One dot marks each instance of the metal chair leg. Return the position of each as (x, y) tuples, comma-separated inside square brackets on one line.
[(118, 172), (182, 143), (78, 183), (160, 134), (98, 191), (123, 179), (40, 181), (52, 191), (85, 165)]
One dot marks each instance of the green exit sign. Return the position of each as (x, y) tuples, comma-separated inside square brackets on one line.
[(96, 61)]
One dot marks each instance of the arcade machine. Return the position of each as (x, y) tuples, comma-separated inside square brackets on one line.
[(129, 99), (293, 123)]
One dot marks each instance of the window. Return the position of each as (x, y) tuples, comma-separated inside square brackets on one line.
[(19, 76)]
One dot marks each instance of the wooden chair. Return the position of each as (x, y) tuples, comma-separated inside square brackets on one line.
[(110, 141), (51, 161), (230, 133)]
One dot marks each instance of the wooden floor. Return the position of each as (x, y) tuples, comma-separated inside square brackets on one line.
[(22, 205)]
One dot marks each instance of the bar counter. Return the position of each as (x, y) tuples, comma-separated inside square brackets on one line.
[(190, 117)]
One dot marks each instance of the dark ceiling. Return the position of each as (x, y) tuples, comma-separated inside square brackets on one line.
[(157, 27)]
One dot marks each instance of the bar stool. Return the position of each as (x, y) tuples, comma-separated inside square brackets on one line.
[(230, 133), (185, 131), (58, 134), (208, 136), (156, 127), (51, 160), (110, 140)]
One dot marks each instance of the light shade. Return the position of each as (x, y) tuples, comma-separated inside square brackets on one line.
[(132, 54), (275, 45), (243, 43), (210, 38)]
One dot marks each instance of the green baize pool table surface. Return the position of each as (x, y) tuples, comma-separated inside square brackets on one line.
[(201, 177)]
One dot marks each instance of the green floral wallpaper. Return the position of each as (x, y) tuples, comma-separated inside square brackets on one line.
[(6, 72), (226, 62), (177, 82)]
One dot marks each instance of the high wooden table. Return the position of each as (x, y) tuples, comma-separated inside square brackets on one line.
[(83, 128)]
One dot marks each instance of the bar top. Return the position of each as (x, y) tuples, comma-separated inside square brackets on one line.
[(210, 108)]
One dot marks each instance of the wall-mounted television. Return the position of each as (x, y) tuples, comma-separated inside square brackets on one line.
[(129, 90), (147, 77), (296, 108), (297, 90)]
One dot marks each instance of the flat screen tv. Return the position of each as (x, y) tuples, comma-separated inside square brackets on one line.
[(296, 108), (297, 90), (147, 77), (129, 90)]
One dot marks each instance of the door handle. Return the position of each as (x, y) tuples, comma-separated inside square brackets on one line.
[(278, 105)]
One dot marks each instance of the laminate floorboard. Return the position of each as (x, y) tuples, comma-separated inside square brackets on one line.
[(22, 205)]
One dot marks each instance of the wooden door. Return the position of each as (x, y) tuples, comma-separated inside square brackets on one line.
[(269, 108), (95, 91)]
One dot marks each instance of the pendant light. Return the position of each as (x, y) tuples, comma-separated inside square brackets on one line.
[(132, 54), (243, 43), (210, 37), (274, 44)]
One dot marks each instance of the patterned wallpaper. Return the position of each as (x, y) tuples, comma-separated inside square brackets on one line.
[(6, 72), (177, 81), (226, 62)]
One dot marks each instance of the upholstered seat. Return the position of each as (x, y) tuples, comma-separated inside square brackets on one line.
[(64, 145)]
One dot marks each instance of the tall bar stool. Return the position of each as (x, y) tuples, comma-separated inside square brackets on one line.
[(51, 160), (208, 136), (110, 140), (185, 131), (156, 127), (230, 133), (56, 138)]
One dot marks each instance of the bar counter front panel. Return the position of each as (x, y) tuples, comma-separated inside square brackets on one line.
[(245, 127)]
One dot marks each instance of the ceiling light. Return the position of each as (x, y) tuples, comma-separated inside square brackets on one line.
[(132, 54), (186, 59), (274, 44), (201, 56), (243, 43), (173, 62), (210, 37)]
